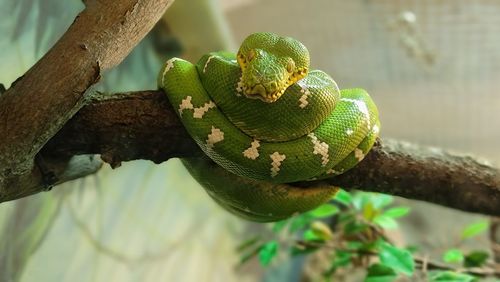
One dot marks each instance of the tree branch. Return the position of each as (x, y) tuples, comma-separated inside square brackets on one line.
[(125, 127), (40, 102), (428, 174), (143, 125)]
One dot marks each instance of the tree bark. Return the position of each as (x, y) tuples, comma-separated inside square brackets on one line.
[(39, 103)]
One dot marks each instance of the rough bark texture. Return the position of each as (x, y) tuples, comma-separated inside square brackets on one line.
[(40, 102), (124, 127), (428, 174), (48, 173), (142, 125)]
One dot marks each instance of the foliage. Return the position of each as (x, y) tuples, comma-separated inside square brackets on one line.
[(351, 229)]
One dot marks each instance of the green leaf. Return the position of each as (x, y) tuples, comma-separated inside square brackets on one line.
[(325, 210), (380, 273), (343, 197), (449, 276), (475, 229), (247, 244), (369, 211), (267, 252), (310, 235), (385, 222), (400, 260), (361, 247), (342, 258), (476, 258), (397, 212), (355, 227), (318, 231), (300, 221), (345, 217), (355, 245), (359, 200), (453, 255), (322, 230), (380, 200)]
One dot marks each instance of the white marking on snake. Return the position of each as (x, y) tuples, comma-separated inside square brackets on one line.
[(332, 171), (239, 87), (185, 104), (200, 111), (214, 137), (252, 152), (349, 131), (169, 65), (206, 63), (276, 158), (303, 99), (358, 154), (376, 129), (361, 107), (320, 148)]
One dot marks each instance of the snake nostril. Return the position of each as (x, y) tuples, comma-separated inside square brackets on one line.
[(259, 89), (273, 86)]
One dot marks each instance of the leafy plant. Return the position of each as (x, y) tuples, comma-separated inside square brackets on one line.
[(471, 259), (450, 276), (350, 227), (351, 230)]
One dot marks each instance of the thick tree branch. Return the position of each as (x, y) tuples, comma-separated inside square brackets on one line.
[(142, 125), (428, 174), (124, 127), (48, 173), (44, 99)]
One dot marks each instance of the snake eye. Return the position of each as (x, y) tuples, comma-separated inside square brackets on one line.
[(290, 66), (240, 56), (251, 55)]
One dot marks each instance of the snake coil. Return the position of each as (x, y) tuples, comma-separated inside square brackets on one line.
[(267, 120)]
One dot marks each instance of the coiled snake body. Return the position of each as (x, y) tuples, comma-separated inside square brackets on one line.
[(268, 120)]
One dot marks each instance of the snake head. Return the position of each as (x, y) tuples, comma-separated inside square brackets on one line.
[(270, 64)]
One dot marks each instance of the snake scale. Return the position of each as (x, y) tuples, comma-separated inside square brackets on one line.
[(267, 120)]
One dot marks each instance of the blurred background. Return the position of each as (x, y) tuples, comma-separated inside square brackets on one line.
[(432, 66)]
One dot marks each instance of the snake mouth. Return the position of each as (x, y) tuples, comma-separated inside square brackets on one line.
[(259, 91)]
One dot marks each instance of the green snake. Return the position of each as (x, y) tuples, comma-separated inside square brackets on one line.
[(267, 121)]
